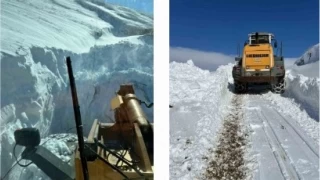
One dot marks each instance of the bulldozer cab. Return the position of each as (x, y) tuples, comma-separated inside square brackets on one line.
[(260, 38)]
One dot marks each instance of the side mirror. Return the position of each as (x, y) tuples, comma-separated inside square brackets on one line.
[(275, 44), (238, 59), (29, 137)]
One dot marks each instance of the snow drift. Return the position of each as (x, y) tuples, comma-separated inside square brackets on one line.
[(108, 46)]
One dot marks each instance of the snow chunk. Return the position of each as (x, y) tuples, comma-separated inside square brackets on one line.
[(190, 62)]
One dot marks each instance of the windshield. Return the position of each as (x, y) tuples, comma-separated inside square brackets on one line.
[(262, 39)]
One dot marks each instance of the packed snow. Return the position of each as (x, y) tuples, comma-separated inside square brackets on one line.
[(108, 45), (283, 141)]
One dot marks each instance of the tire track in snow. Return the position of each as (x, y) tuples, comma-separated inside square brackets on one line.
[(228, 161), (295, 157), (300, 134), (279, 153)]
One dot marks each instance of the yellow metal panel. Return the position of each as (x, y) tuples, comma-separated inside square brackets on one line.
[(116, 102), (257, 56)]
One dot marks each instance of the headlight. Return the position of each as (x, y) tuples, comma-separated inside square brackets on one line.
[(267, 67)]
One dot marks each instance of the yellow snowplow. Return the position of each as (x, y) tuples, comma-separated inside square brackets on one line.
[(259, 64), (114, 151), (121, 150)]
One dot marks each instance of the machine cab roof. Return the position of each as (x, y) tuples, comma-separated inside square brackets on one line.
[(260, 38)]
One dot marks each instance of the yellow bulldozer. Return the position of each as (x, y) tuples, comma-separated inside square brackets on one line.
[(260, 64)]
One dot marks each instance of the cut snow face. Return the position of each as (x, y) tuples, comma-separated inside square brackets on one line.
[(304, 91), (108, 45)]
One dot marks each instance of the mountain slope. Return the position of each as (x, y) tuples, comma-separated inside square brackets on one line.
[(73, 25), (310, 56)]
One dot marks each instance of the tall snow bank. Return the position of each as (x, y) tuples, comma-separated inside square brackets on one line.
[(303, 82), (199, 100)]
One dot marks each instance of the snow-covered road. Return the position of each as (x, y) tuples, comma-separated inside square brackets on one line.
[(273, 135), (281, 148)]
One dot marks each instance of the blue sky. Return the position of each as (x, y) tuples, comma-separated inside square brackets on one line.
[(144, 6), (219, 25)]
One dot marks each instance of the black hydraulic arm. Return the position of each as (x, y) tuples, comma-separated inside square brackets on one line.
[(77, 116)]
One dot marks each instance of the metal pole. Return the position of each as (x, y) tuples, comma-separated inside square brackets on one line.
[(77, 116), (281, 50), (238, 50)]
